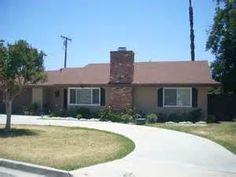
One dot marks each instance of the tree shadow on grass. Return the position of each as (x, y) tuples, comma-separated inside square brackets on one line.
[(17, 132)]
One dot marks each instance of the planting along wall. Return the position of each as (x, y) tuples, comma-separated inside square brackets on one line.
[(145, 100)]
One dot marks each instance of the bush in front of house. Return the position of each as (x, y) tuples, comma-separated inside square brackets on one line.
[(104, 113), (173, 117), (79, 116), (211, 119), (61, 113), (130, 112), (107, 114), (152, 118), (195, 115), (126, 118), (192, 116), (85, 112), (73, 112), (129, 115), (162, 117), (32, 109)]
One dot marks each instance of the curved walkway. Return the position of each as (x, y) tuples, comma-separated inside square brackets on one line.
[(158, 152)]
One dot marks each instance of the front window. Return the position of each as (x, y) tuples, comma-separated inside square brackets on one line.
[(84, 96), (177, 97)]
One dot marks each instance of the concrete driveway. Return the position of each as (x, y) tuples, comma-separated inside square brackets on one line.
[(158, 152)]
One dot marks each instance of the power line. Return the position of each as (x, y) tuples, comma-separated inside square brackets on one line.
[(65, 44)]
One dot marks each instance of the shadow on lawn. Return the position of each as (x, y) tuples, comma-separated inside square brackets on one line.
[(17, 132)]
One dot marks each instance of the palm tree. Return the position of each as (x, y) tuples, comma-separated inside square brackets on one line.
[(192, 46)]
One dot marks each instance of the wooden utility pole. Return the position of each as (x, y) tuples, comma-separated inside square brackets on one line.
[(65, 44), (192, 46)]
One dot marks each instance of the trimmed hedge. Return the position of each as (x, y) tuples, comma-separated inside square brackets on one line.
[(192, 116)]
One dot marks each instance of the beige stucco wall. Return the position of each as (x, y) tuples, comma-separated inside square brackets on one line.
[(37, 96), (56, 101), (145, 100), (202, 100)]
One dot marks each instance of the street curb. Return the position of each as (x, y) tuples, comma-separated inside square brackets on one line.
[(31, 168)]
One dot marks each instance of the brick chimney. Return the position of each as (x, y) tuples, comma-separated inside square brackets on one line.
[(121, 77), (121, 66)]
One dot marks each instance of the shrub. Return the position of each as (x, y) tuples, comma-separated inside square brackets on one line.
[(46, 109), (62, 113), (32, 109), (175, 117), (79, 116), (211, 119), (162, 117), (28, 110), (54, 114), (107, 114), (130, 112), (192, 116), (85, 112), (195, 115), (94, 114), (35, 108), (51, 114), (115, 116), (72, 112), (126, 118), (104, 113), (152, 118)]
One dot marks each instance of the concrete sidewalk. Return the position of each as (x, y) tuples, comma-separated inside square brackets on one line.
[(158, 152), (11, 168)]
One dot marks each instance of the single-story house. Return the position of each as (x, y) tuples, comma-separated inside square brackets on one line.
[(148, 87)]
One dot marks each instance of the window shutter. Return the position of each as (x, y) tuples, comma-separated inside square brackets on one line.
[(103, 97), (65, 99), (194, 97), (160, 97)]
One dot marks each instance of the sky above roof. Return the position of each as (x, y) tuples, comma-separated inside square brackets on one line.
[(156, 30)]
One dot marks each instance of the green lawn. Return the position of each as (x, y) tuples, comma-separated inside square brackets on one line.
[(223, 133), (63, 147)]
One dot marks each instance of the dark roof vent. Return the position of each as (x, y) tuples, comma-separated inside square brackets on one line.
[(122, 49)]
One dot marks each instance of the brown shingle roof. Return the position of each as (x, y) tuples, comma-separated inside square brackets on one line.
[(177, 72)]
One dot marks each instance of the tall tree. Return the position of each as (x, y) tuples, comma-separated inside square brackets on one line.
[(222, 43), (20, 64), (192, 46)]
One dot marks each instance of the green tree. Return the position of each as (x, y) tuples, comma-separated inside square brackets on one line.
[(20, 65), (222, 43)]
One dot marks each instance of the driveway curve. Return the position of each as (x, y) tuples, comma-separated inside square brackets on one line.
[(158, 152)]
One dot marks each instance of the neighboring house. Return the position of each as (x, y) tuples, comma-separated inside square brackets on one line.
[(147, 87)]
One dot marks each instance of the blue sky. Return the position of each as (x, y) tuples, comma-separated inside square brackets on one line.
[(156, 30)]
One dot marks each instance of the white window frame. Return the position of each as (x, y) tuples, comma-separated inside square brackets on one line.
[(177, 88), (81, 88)]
